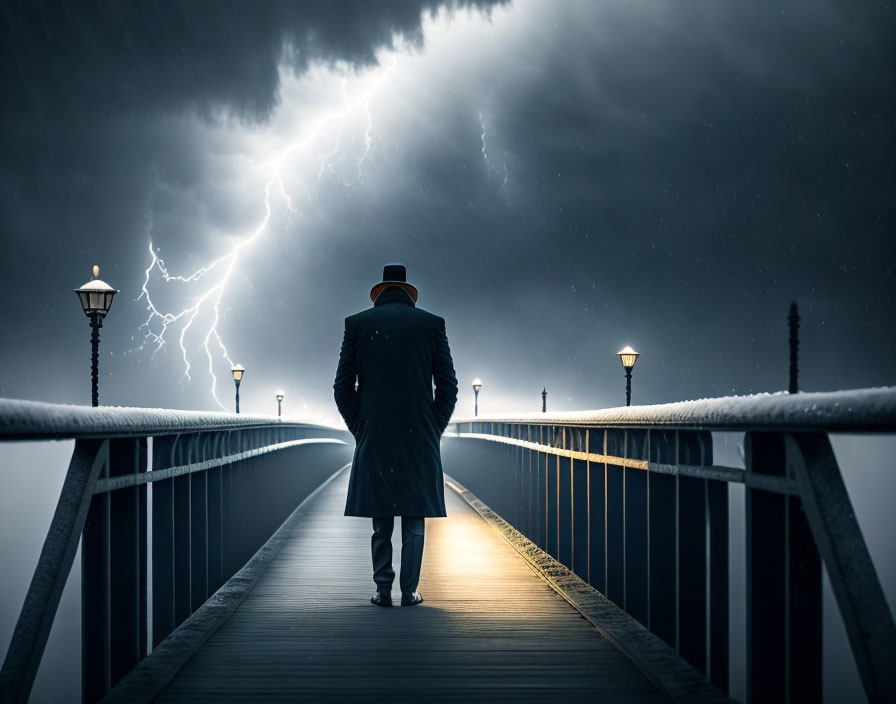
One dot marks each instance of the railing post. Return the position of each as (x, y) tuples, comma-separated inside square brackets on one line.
[(113, 576), (579, 502), (662, 490), (615, 518), (637, 547), (784, 632), (564, 501), (162, 542), (597, 517), (127, 560), (96, 678), (717, 665), (215, 494), (552, 488), (693, 537), (181, 535), (198, 526)]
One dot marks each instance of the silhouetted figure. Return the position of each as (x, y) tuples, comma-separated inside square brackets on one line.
[(395, 351)]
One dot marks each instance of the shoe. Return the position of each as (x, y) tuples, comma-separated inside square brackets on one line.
[(382, 598), (411, 599)]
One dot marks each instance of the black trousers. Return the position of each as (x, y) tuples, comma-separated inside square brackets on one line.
[(411, 552)]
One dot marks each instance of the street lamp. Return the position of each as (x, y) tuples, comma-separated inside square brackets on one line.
[(279, 401), (476, 386), (237, 370), (544, 400), (96, 300), (628, 357)]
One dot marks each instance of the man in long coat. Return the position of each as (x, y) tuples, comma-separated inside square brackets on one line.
[(396, 351)]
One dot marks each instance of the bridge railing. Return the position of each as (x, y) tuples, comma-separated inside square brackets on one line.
[(221, 485), (631, 500)]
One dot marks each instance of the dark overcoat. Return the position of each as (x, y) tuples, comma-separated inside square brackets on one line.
[(396, 352)]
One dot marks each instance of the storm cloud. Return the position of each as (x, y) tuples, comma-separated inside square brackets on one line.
[(676, 174)]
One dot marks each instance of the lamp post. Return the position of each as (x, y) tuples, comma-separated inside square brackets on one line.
[(793, 320), (96, 300), (476, 386), (628, 357), (544, 400), (279, 402), (237, 370)]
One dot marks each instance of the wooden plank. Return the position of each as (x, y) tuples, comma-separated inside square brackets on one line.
[(489, 627)]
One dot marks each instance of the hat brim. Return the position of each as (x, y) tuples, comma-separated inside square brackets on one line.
[(380, 287)]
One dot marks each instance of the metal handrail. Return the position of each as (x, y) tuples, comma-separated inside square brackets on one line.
[(856, 410), (36, 420), (798, 514), (198, 464)]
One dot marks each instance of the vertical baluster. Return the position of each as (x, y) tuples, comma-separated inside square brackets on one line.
[(579, 500), (783, 585), (181, 510), (529, 524), (541, 487), (198, 526), (717, 525), (615, 519), (692, 553), (127, 559), (637, 546), (522, 479), (95, 595), (597, 517), (215, 495), (227, 527), (662, 498), (552, 486), (564, 501), (162, 543)]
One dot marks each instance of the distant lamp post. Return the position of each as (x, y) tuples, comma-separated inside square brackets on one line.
[(793, 320), (476, 386), (544, 400), (96, 300), (237, 370), (628, 357), (279, 402)]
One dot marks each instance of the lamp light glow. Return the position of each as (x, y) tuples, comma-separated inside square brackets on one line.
[(96, 295), (628, 356)]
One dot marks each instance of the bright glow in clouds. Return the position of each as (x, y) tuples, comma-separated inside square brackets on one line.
[(211, 280), (325, 126)]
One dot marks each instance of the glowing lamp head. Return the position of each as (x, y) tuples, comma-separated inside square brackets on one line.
[(237, 370), (477, 385), (279, 395), (628, 357), (96, 295)]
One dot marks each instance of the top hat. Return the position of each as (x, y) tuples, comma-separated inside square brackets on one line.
[(393, 275)]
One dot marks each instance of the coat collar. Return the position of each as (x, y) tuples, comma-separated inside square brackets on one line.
[(394, 294)]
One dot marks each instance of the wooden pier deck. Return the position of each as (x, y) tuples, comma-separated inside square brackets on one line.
[(489, 630)]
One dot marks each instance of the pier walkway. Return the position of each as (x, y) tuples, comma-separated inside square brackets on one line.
[(489, 630)]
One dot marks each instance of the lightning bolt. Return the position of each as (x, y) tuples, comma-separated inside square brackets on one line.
[(160, 323), (492, 171)]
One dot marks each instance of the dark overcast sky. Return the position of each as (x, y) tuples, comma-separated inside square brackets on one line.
[(676, 174)]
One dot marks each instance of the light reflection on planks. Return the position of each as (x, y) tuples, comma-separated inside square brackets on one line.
[(490, 630)]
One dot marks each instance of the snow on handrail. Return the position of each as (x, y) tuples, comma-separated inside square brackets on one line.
[(858, 410), (35, 420)]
